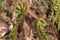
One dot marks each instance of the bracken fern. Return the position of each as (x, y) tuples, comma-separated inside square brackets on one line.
[(40, 26), (21, 8), (55, 7)]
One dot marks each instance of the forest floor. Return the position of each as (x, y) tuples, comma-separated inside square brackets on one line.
[(37, 22)]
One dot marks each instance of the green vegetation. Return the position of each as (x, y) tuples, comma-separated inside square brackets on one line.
[(55, 7), (40, 26), (21, 8)]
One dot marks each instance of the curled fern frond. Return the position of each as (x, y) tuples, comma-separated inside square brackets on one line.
[(20, 8), (40, 26)]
